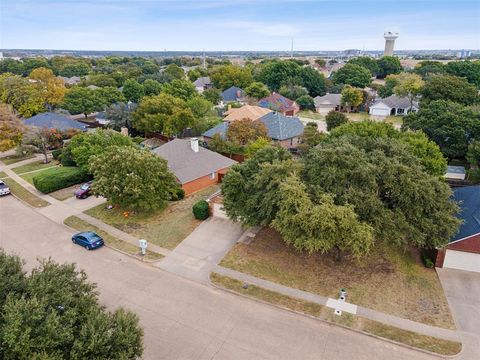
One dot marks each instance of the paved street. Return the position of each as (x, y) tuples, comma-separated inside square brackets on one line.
[(183, 319)]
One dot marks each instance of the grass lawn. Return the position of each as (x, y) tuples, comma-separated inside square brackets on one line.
[(360, 116), (80, 225), (3, 175), (310, 115), (166, 227), (64, 194), (48, 170), (396, 121), (11, 159), (439, 346), (34, 166), (389, 280), (25, 195)]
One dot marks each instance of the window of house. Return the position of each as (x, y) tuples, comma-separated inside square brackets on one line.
[(400, 111), (212, 175)]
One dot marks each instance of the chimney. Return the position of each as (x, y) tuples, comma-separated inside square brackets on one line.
[(239, 94), (194, 144)]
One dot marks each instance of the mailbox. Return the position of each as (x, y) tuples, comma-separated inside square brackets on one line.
[(143, 245)]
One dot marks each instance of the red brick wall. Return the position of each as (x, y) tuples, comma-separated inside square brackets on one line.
[(471, 244), (201, 183)]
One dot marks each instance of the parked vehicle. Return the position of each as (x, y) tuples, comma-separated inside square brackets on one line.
[(84, 191), (88, 239), (4, 189)]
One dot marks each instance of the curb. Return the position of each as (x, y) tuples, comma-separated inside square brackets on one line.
[(440, 356)]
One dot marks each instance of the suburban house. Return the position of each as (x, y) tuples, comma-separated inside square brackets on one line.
[(194, 166), (283, 130), (279, 103), (463, 250), (69, 81), (251, 112), (392, 105), (233, 94), (51, 120), (203, 83), (328, 102)]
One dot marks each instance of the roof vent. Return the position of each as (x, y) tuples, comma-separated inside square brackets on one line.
[(194, 144)]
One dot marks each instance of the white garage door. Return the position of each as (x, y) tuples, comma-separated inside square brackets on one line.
[(219, 212), (462, 260), (379, 112)]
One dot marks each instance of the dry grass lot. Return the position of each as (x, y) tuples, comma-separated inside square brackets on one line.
[(165, 227), (25, 195), (11, 159), (389, 280), (429, 343)]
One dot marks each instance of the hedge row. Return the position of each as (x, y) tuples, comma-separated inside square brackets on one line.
[(60, 178)]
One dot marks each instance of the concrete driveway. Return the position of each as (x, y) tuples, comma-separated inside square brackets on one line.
[(183, 319), (195, 257), (462, 289)]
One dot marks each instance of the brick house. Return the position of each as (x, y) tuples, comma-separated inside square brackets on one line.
[(463, 251), (279, 103), (283, 130), (194, 166)]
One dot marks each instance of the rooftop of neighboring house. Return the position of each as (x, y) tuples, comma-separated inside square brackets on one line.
[(468, 198), (202, 81), (328, 99), (53, 120), (277, 102), (251, 112), (188, 161), (396, 102), (279, 127), (233, 93)]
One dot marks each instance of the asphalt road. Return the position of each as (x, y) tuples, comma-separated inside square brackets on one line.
[(183, 319)]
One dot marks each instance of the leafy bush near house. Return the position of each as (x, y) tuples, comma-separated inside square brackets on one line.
[(200, 210), (335, 119), (60, 178), (56, 153), (66, 158), (178, 194), (428, 257)]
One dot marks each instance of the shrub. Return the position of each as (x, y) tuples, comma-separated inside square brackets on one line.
[(334, 119), (178, 194), (59, 178), (428, 257), (66, 158), (56, 153), (200, 210)]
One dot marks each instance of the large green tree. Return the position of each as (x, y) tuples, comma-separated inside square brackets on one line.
[(451, 125), (448, 87), (470, 70), (132, 178), (54, 313), (83, 146), (408, 85), (275, 73), (388, 65), (133, 90), (314, 81), (351, 97), (257, 90), (23, 96), (226, 76), (163, 113), (367, 62), (81, 100), (11, 128), (319, 225), (182, 89), (387, 187), (354, 75)]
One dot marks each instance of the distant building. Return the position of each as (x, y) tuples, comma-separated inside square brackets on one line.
[(233, 94), (279, 103), (203, 83), (328, 102), (392, 106), (390, 38), (51, 120)]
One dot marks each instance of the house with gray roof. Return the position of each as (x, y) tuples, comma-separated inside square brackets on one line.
[(51, 120), (283, 130), (328, 102), (194, 166), (233, 94), (203, 83), (392, 106)]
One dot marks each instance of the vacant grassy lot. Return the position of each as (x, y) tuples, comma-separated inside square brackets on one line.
[(25, 195), (80, 225), (166, 227), (360, 116), (36, 165), (389, 280), (429, 343), (11, 159), (3, 175)]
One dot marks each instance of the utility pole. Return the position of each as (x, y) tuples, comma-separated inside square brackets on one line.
[(291, 50), (204, 60)]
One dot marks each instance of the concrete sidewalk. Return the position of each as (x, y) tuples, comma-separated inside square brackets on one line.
[(387, 319), (196, 256)]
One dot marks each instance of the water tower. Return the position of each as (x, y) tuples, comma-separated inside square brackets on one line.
[(390, 38)]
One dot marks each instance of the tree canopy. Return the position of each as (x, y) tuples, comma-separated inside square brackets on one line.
[(367, 62), (334, 119), (226, 76), (182, 89), (244, 131), (132, 178), (133, 90), (448, 87), (351, 97), (11, 128), (388, 65), (54, 313), (354, 75), (81, 100), (257, 90)]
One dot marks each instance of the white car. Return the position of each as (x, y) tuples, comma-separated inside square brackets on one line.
[(4, 189)]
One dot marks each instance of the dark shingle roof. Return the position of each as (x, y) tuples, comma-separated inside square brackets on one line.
[(188, 165), (202, 81), (469, 201), (54, 121), (233, 93), (276, 102), (279, 127)]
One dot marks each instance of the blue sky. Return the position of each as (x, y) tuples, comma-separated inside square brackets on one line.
[(209, 25)]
